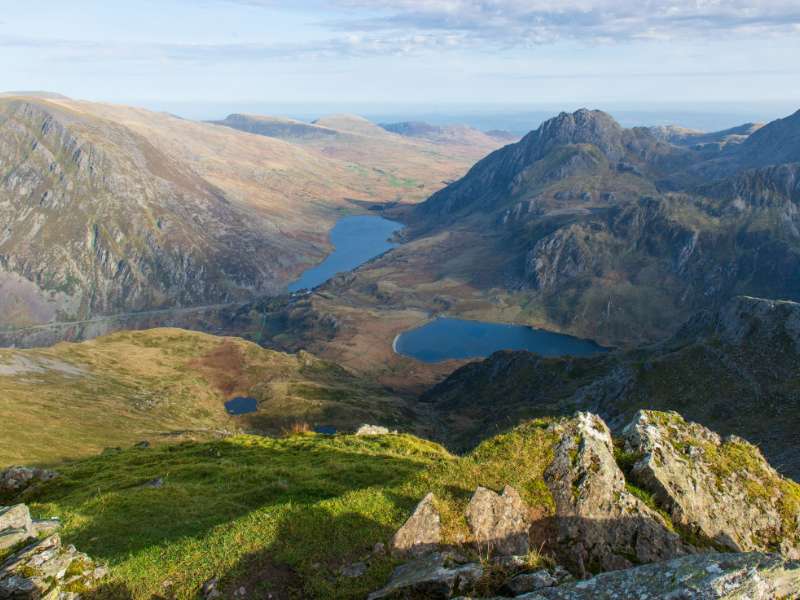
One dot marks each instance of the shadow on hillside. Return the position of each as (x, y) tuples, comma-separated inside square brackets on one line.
[(210, 486), (309, 558)]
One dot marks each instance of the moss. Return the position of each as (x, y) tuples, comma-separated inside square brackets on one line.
[(650, 501), (78, 567), (626, 460)]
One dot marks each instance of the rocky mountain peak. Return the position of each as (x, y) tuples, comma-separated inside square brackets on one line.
[(581, 127)]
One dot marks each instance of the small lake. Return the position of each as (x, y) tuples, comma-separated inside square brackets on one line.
[(446, 339), (356, 240), (241, 405)]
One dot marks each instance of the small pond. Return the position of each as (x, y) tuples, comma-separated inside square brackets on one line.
[(325, 430), (356, 240), (446, 339), (241, 405)]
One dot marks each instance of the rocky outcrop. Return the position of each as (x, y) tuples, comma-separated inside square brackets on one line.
[(751, 576), (720, 489), (500, 523), (17, 527), (421, 533), (600, 524), (17, 479), (433, 577), (373, 430), (44, 569)]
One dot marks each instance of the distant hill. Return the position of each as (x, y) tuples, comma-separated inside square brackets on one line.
[(450, 134), (689, 137), (414, 166), (33, 94)]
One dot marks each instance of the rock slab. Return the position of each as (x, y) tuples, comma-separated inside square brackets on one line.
[(721, 489), (600, 525), (421, 533), (500, 523)]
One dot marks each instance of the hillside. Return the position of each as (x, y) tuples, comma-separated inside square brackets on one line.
[(448, 134), (72, 400), (108, 209), (734, 370), (331, 516), (413, 166)]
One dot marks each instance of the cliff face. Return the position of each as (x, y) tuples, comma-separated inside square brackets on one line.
[(100, 220), (733, 369)]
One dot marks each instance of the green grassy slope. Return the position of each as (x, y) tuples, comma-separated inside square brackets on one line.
[(71, 400), (274, 515)]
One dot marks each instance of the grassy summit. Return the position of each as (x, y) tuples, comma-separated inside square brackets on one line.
[(72, 400), (274, 514)]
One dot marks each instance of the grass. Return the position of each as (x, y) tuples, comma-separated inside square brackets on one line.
[(162, 383), (298, 508)]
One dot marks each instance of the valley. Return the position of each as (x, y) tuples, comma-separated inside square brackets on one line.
[(131, 195), (578, 278)]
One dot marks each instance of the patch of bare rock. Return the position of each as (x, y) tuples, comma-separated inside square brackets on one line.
[(36, 565), (641, 517), (15, 480)]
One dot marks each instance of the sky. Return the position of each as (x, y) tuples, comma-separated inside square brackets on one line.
[(432, 55)]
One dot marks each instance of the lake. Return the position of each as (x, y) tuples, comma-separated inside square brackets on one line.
[(356, 240), (241, 405), (446, 338)]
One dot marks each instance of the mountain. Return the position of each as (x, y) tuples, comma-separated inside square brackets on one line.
[(591, 223), (776, 143), (107, 209), (167, 384), (734, 370), (586, 144), (681, 136)]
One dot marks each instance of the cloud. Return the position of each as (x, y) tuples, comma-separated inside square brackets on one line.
[(353, 44), (527, 22)]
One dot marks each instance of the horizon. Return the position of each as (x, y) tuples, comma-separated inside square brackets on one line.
[(426, 58)]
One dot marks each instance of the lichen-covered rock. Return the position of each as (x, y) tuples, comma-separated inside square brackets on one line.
[(46, 570), (500, 524), (600, 525), (16, 526), (421, 533), (720, 489), (750, 576), (432, 577), (16, 479), (528, 582)]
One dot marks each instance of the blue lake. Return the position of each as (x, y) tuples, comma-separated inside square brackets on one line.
[(356, 240), (446, 338), (241, 405)]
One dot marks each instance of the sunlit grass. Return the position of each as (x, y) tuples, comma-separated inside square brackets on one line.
[(306, 503)]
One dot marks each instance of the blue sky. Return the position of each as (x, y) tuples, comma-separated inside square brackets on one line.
[(405, 52)]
